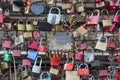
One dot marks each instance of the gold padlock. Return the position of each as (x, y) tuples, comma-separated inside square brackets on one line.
[(24, 73), (4, 65)]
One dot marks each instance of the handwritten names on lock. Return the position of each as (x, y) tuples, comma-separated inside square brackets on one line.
[(60, 41)]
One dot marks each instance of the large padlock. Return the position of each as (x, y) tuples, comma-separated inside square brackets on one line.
[(52, 17), (37, 68), (101, 45)]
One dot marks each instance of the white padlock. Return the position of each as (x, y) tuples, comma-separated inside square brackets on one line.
[(54, 18), (37, 69)]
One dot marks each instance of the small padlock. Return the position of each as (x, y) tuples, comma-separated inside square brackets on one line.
[(24, 73), (7, 57)]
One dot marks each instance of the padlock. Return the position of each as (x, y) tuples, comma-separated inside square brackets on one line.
[(114, 6), (32, 54), (83, 71), (29, 26), (80, 7), (111, 43), (16, 53), (46, 78), (94, 19), (42, 47), (54, 71), (4, 65), (101, 45), (19, 40), (33, 44), (117, 17), (69, 65), (27, 35), (26, 62), (52, 17), (89, 56), (24, 73), (37, 68), (106, 22), (21, 26), (7, 57)]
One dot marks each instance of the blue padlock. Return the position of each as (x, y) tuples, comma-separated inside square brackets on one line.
[(32, 54)]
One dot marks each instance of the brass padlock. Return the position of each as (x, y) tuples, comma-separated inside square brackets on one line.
[(24, 73), (4, 65)]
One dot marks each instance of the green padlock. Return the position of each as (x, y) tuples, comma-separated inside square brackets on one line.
[(7, 57), (29, 26), (21, 26)]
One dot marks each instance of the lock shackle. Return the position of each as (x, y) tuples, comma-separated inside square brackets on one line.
[(23, 68), (117, 13), (86, 66), (55, 8), (93, 78), (112, 38), (37, 59), (98, 12), (90, 48), (107, 13), (81, 2), (67, 61), (100, 37), (45, 72)]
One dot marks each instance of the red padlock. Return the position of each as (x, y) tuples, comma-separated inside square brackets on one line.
[(94, 19), (83, 71), (55, 60), (26, 62), (112, 43), (6, 43), (33, 44), (78, 56), (117, 17), (16, 53), (114, 6), (117, 75), (69, 65)]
